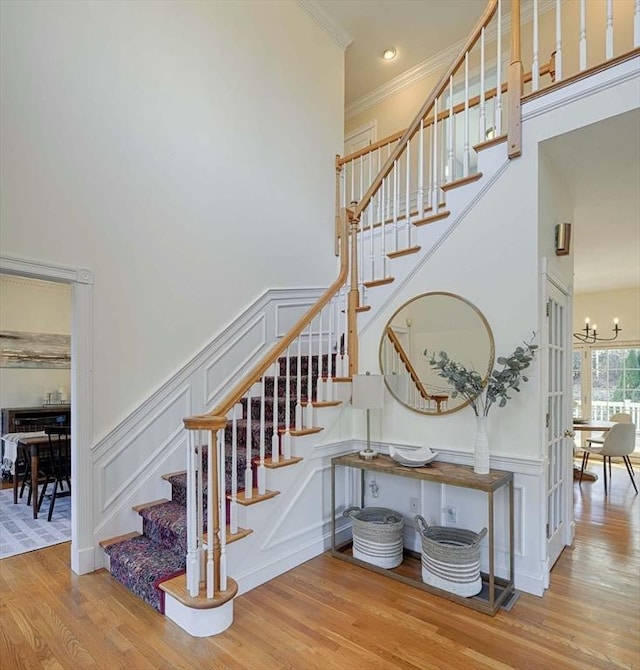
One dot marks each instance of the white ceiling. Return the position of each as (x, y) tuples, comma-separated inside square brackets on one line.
[(599, 165), (418, 29)]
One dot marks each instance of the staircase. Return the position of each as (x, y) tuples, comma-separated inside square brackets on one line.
[(143, 561), (384, 236)]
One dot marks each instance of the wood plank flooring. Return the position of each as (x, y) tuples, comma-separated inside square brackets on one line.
[(330, 615)]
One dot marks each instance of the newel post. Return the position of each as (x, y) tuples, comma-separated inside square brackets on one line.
[(515, 85), (354, 295), (338, 214), (209, 425)]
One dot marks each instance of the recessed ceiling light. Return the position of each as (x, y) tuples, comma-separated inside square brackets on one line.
[(389, 54)]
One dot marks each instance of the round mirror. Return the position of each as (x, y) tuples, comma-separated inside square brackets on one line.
[(433, 322)]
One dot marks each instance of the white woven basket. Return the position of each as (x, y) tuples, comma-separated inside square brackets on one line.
[(377, 535), (451, 558)]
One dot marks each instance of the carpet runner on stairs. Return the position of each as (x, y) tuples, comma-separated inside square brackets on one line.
[(143, 562)]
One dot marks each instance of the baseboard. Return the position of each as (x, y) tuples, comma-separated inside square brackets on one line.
[(83, 561), (252, 579)]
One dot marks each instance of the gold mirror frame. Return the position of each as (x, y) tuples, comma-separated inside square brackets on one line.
[(436, 321)]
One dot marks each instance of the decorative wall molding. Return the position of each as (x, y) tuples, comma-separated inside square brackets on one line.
[(44, 270), (337, 33), (38, 284), (434, 64)]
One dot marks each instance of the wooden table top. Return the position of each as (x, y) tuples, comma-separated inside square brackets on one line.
[(593, 425), (436, 471)]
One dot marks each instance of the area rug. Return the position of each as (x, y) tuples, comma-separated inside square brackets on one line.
[(20, 532)]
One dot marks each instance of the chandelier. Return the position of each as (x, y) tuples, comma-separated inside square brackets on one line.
[(589, 334)]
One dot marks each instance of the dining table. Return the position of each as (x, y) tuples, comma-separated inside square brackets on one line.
[(591, 426)]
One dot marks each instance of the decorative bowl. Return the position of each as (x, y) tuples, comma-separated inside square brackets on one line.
[(412, 458)]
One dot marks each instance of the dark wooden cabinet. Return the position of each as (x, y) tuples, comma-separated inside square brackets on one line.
[(28, 419)]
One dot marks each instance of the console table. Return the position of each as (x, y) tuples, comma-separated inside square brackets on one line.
[(495, 590)]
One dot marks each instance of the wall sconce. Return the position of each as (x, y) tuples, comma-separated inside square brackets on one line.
[(589, 334), (563, 239), (367, 393)]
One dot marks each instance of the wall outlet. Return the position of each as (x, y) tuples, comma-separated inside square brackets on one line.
[(451, 514), (414, 505)]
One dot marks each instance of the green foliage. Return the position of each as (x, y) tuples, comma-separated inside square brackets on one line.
[(629, 383), (482, 394)]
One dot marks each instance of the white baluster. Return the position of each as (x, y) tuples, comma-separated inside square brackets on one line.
[(407, 204), (435, 197), (212, 457), (193, 567), (200, 503), (222, 501), (636, 24), (298, 419), (583, 35), (275, 437), (465, 152), (248, 475), (430, 169), (497, 123), (319, 383), (558, 40), (353, 177), (395, 205), (372, 257), (345, 341), (328, 385), (609, 38), (450, 172), (482, 120), (234, 473), (262, 474), (309, 417), (286, 438), (535, 65), (421, 170)]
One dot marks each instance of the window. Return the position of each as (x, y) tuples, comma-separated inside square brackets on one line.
[(606, 381)]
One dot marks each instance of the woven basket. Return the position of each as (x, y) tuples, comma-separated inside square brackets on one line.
[(451, 558), (377, 535)]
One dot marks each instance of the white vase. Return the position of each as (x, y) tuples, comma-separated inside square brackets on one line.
[(481, 447)]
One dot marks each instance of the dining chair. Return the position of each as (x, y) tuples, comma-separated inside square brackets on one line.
[(58, 465), (619, 441), (621, 417)]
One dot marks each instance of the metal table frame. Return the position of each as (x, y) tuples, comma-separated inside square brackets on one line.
[(498, 589)]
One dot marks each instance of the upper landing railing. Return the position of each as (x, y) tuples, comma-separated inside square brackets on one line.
[(518, 50), (385, 190)]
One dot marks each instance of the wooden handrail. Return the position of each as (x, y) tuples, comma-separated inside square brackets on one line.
[(490, 94), (220, 411), (407, 363), (424, 110)]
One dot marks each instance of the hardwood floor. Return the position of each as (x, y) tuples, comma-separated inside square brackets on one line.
[(328, 614)]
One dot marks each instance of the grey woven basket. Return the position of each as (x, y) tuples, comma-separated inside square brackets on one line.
[(450, 557), (377, 535)]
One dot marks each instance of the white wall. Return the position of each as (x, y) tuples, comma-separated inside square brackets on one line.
[(36, 307), (182, 151)]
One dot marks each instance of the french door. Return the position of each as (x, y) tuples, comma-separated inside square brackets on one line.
[(559, 445)]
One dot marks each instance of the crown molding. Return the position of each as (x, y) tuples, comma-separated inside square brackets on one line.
[(435, 63), (337, 33)]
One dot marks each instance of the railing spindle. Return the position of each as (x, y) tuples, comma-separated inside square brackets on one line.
[(535, 63), (298, 419), (450, 171), (262, 475), (309, 417), (609, 32), (328, 384), (465, 150), (275, 437), (583, 36), (421, 170), (193, 565), (319, 389), (286, 438), (248, 475), (497, 123), (222, 487), (212, 502), (234, 472), (558, 52), (435, 197)]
